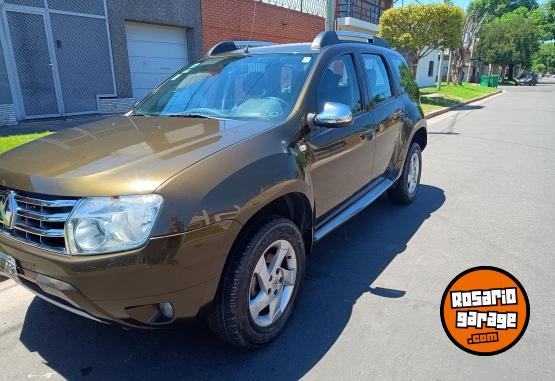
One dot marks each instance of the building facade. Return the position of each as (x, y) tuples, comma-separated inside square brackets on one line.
[(61, 58), (360, 15)]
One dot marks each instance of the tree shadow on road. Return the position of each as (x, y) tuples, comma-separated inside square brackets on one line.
[(341, 269)]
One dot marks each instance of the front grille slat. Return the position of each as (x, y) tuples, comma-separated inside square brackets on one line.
[(38, 220), (42, 216), (46, 203), (53, 233)]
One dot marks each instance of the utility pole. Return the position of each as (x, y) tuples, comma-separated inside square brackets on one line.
[(330, 15), (439, 69)]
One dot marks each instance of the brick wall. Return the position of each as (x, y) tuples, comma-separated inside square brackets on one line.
[(231, 20)]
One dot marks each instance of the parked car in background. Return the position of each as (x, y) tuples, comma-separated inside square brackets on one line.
[(207, 197), (527, 79)]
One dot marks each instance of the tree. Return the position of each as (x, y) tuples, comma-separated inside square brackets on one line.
[(422, 28), (497, 8), (544, 17), (546, 56), (509, 41), (539, 68), (472, 25)]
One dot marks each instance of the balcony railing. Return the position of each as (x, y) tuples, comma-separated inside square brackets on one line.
[(313, 7), (365, 10)]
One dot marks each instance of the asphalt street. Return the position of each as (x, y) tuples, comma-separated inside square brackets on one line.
[(370, 304)]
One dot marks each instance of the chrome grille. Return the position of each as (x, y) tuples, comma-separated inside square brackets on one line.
[(35, 219)]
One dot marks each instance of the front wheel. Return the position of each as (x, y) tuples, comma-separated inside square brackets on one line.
[(260, 285), (406, 187)]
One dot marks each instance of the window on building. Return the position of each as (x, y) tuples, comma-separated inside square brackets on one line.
[(378, 80), (339, 84), (431, 65)]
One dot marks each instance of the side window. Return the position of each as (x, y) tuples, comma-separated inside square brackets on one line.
[(431, 65), (378, 80), (339, 84)]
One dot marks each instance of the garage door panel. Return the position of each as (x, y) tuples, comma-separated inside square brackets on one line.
[(156, 49), (141, 93), (156, 65), (155, 52), (149, 80), (155, 33)]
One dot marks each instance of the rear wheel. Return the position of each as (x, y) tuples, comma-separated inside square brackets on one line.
[(260, 285), (406, 187)]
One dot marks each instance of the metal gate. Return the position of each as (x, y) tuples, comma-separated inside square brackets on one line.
[(59, 57)]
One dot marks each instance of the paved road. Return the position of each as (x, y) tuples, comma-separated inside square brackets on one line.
[(370, 305)]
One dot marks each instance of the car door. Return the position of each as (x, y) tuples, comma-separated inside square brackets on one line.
[(340, 158), (388, 111)]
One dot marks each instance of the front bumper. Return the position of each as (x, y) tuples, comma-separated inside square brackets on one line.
[(127, 288)]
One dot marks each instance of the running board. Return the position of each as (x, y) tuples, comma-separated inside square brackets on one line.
[(353, 209)]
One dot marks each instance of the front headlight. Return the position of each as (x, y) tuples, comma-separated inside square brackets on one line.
[(100, 225)]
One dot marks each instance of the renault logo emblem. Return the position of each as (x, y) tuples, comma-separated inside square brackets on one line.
[(8, 208)]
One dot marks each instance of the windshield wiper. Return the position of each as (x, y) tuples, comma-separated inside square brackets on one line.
[(192, 115)]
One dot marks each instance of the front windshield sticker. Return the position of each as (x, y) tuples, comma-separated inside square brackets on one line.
[(306, 60)]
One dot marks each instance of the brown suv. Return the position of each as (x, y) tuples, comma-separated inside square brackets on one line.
[(205, 199)]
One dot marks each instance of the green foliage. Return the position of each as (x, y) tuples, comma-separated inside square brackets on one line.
[(497, 8), (543, 14), (546, 56), (539, 68), (544, 17), (510, 40), (421, 28)]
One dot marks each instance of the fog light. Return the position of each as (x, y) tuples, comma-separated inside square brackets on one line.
[(166, 309)]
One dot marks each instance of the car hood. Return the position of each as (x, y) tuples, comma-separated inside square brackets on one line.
[(118, 156)]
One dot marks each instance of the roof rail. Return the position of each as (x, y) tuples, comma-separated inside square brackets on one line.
[(229, 46), (331, 37)]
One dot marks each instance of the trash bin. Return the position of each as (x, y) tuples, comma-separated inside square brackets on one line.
[(485, 80), (494, 81)]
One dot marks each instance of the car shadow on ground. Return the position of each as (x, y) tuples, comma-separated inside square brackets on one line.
[(342, 268)]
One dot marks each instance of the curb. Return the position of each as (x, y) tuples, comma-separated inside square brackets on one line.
[(456, 106)]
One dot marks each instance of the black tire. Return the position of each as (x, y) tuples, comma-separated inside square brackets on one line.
[(230, 318), (399, 192)]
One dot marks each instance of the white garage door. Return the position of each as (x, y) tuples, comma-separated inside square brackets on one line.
[(155, 52)]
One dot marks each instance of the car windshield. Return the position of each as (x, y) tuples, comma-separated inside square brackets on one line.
[(260, 87)]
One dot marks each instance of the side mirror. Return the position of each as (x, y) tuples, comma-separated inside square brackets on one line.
[(335, 115)]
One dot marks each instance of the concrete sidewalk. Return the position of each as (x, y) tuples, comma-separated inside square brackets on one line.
[(53, 124)]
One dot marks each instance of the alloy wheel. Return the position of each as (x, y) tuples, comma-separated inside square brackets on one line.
[(272, 283), (414, 173)]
